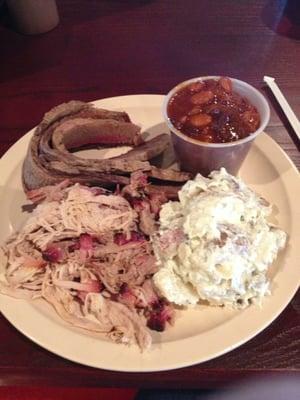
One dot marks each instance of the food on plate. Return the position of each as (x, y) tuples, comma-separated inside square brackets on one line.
[(210, 111), (148, 150), (74, 125), (87, 252), (215, 244), (105, 246)]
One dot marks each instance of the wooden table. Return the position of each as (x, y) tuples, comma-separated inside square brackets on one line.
[(108, 48)]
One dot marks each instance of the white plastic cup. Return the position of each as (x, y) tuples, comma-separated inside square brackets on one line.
[(33, 17), (195, 156)]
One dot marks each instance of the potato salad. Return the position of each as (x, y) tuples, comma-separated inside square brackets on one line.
[(215, 244)]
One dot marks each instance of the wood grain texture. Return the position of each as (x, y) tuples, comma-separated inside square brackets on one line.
[(108, 48)]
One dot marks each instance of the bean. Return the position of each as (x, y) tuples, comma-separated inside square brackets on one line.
[(202, 97), (200, 120), (196, 86), (226, 84), (195, 110)]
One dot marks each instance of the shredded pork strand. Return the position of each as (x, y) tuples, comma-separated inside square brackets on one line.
[(81, 250)]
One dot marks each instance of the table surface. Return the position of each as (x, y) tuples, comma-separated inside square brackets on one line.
[(111, 48)]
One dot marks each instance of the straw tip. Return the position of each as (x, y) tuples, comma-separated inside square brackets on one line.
[(268, 79)]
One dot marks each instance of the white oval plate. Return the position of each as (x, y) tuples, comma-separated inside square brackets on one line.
[(199, 334)]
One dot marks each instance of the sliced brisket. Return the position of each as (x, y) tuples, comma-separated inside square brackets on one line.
[(149, 149), (76, 124)]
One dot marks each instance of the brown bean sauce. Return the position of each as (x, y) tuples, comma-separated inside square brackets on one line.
[(210, 111)]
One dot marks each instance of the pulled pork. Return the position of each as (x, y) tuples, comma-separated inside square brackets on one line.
[(87, 252)]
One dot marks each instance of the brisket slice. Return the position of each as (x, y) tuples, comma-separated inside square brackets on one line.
[(147, 150), (168, 174), (78, 132), (35, 175), (48, 154), (80, 109), (170, 191), (76, 124)]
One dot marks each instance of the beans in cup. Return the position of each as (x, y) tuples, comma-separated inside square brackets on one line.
[(211, 111)]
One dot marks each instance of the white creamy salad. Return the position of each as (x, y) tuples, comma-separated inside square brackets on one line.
[(216, 244)]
